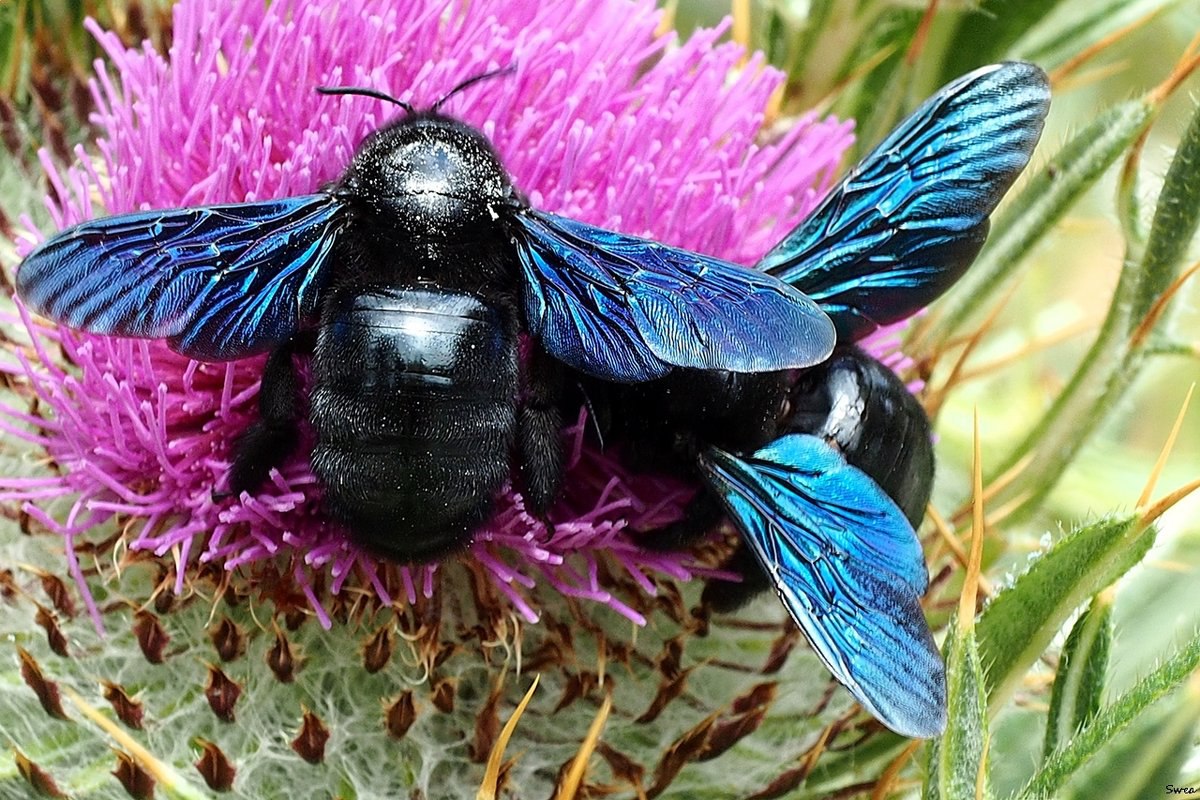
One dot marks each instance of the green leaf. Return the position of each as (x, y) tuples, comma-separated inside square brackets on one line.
[(1079, 684), (1020, 622), (1145, 757), (1176, 218), (957, 760), (1108, 726)]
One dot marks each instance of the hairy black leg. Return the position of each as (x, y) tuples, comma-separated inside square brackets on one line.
[(539, 433), (273, 437)]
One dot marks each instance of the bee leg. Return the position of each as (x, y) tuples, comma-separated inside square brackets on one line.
[(539, 434), (273, 437)]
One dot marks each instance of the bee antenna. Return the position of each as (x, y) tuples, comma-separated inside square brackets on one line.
[(508, 70), (363, 91)]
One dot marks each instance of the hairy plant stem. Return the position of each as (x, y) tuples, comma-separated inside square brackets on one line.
[(1117, 357)]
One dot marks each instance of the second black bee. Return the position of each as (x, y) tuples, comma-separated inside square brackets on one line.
[(825, 473)]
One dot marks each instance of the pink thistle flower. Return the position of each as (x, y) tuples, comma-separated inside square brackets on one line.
[(603, 120)]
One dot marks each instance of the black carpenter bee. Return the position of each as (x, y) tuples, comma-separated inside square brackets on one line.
[(826, 472), (412, 278), (410, 281)]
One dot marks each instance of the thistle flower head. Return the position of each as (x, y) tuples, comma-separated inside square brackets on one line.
[(602, 118)]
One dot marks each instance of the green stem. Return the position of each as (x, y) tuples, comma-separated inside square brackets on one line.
[(1115, 359), (1065, 762), (1036, 209)]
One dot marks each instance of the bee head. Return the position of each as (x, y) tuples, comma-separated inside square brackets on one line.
[(426, 173)]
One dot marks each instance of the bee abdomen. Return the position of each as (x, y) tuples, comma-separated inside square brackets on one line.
[(414, 408), (859, 405)]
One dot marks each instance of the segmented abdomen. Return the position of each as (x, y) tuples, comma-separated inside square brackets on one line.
[(413, 406)]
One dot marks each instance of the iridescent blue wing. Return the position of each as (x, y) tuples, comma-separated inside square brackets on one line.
[(218, 282), (849, 569), (911, 217), (627, 309)]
